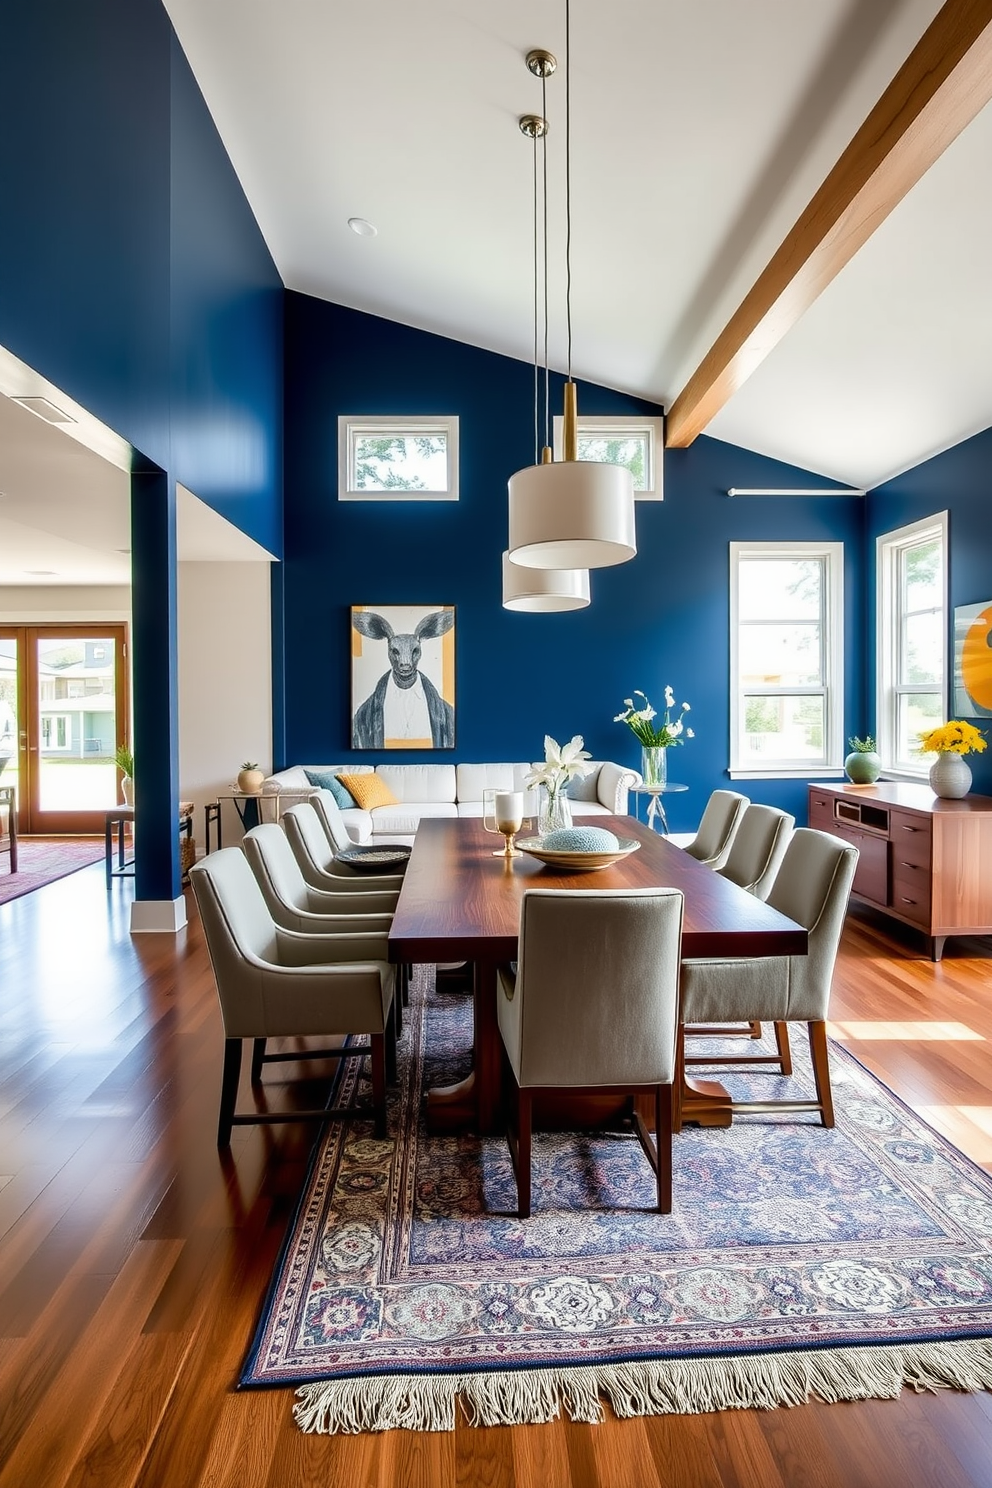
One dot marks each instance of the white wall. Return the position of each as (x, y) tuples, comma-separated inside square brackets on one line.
[(35, 604), (225, 682)]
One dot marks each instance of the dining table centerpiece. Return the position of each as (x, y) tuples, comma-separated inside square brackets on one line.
[(563, 763), (655, 737), (950, 775)]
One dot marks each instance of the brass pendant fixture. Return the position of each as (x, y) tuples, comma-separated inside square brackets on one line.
[(569, 514)]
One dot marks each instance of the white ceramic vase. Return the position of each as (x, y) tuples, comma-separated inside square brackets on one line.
[(950, 776)]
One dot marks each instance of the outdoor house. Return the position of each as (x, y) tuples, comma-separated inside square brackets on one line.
[(180, 283)]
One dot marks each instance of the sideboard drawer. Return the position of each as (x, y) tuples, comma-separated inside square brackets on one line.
[(911, 893), (871, 877), (821, 811), (911, 840)]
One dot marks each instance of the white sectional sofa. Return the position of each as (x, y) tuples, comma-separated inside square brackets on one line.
[(451, 790)]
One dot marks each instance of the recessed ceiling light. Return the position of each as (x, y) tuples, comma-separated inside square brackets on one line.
[(362, 228), (45, 409)]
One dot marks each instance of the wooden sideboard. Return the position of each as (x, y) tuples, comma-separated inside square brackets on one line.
[(926, 861)]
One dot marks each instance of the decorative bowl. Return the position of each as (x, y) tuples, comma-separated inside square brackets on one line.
[(577, 862), (370, 859)]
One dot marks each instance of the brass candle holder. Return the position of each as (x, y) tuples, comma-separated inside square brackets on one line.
[(507, 815)]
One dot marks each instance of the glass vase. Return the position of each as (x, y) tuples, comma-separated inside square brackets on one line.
[(556, 810), (654, 764)]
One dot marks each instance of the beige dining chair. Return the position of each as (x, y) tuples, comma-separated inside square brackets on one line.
[(330, 818), (717, 828), (316, 858), (812, 887), (758, 848), (278, 983), (296, 905), (592, 1005)]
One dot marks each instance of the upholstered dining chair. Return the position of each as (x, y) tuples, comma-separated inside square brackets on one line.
[(812, 887), (330, 818), (758, 848), (278, 983), (315, 855), (296, 905), (717, 828), (592, 1003)]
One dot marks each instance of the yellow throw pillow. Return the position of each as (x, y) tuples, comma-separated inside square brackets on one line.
[(368, 791)]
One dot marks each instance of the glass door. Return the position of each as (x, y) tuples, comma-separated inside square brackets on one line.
[(63, 698)]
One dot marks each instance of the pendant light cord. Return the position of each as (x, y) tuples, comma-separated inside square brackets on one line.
[(537, 392), (568, 187), (544, 158)]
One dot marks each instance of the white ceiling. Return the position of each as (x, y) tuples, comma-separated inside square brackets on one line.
[(65, 515), (699, 133)]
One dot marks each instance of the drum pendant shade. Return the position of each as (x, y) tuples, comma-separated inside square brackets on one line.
[(543, 590), (573, 514)]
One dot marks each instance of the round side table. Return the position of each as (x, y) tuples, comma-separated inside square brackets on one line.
[(656, 807)]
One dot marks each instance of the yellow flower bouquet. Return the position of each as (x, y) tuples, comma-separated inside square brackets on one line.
[(953, 737)]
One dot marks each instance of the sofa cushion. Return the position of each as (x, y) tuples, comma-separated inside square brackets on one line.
[(419, 782), (472, 780), (403, 817), (328, 780), (368, 791), (586, 788)]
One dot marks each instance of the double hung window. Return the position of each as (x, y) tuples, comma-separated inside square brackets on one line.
[(912, 640)]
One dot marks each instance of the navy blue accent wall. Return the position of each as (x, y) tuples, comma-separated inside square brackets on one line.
[(84, 182), (226, 302), (957, 482), (662, 618)]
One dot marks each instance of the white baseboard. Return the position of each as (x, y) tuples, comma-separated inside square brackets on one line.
[(164, 915)]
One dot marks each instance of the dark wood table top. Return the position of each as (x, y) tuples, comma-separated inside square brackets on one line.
[(460, 903)]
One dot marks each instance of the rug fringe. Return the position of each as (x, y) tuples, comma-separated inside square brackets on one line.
[(662, 1387)]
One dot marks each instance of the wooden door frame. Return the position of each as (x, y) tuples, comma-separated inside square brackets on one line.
[(31, 818)]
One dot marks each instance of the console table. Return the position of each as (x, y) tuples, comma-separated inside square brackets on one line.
[(924, 860)]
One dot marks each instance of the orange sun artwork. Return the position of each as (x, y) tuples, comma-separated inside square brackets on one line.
[(973, 647)]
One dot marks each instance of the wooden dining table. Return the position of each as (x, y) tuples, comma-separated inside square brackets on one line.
[(460, 901)]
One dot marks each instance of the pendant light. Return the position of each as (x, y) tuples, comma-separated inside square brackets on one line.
[(541, 590), (570, 513)]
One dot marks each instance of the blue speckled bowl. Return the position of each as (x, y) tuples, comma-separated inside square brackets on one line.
[(580, 839)]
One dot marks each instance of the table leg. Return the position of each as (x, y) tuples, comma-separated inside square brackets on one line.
[(474, 1101), (702, 1102), (109, 849)]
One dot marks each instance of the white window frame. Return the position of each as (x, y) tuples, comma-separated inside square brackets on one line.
[(624, 426), (353, 426), (889, 548), (832, 687)]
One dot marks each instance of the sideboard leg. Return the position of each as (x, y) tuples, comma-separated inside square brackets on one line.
[(937, 947)]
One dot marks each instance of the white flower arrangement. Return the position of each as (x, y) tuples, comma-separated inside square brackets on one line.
[(562, 763), (651, 735)]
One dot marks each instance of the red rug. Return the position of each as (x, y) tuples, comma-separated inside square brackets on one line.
[(41, 860)]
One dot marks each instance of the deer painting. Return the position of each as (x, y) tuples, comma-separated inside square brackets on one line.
[(404, 704)]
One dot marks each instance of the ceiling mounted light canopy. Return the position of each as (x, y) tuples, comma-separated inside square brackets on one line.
[(571, 513)]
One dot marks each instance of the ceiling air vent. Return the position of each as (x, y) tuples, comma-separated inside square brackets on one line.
[(46, 410)]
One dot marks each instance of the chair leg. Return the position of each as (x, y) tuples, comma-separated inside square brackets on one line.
[(229, 1090), (663, 1103), (783, 1046), (379, 1082), (390, 1037), (407, 969), (821, 1070), (524, 1125), (257, 1059), (398, 1002)]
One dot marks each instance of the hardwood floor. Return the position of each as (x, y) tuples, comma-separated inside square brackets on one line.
[(133, 1261)]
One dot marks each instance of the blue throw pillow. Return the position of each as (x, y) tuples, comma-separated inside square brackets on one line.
[(327, 780)]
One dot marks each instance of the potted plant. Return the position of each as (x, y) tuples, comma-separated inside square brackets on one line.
[(862, 765), (124, 760), (250, 778)]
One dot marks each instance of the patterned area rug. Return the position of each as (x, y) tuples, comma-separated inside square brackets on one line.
[(797, 1263), (41, 860)]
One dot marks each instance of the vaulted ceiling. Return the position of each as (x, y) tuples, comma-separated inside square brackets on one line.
[(700, 132)]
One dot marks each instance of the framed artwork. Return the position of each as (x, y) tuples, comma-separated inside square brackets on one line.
[(973, 660), (402, 676)]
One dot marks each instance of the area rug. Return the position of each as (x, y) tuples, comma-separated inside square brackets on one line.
[(798, 1262), (41, 860)]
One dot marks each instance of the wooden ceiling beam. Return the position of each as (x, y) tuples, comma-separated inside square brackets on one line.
[(943, 84)]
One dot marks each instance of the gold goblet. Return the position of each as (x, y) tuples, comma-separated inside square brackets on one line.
[(509, 814)]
